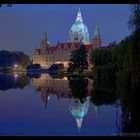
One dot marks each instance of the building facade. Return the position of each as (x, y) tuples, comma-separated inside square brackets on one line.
[(47, 55)]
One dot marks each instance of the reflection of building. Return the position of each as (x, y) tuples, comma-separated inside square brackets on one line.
[(60, 87), (79, 110), (97, 108), (47, 55), (48, 87)]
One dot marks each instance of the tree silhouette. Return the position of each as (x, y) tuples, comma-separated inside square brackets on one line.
[(104, 87), (78, 60), (78, 88), (134, 22)]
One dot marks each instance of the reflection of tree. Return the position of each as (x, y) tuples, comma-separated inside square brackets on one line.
[(78, 88), (14, 80), (103, 96), (128, 81), (79, 104), (104, 87), (33, 74), (47, 86), (130, 100)]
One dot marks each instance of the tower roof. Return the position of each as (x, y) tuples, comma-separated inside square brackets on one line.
[(44, 37), (79, 122), (96, 33), (79, 16)]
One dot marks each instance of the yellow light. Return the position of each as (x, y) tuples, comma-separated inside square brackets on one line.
[(65, 78), (15, 65)]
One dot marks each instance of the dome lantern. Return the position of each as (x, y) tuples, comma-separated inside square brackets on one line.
[(79, 31), (79, 16)]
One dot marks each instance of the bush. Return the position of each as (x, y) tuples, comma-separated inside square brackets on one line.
[(33, 66), (56, 67)]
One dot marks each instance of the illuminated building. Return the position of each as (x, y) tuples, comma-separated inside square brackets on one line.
[(47, 55)]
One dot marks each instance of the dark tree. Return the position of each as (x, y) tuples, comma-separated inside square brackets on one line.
[(56, 68), (134, 22), (33, 66), (78, 88), (78, 60), (104, 86), (24, 60), (10, 58)]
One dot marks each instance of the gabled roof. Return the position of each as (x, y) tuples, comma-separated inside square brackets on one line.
[(52, 49), (69, 44), (89, 46)]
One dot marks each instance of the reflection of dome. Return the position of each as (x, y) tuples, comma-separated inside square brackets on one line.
[(79, 31), (79, 110)]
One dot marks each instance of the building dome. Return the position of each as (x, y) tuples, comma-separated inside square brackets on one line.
[(79, 27), (79, 31), (79, 110)]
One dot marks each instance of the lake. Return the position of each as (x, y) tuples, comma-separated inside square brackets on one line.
[(44, 106)]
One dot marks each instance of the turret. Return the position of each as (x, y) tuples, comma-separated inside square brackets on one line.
[(79, 123), (96, 38), (44, 43)]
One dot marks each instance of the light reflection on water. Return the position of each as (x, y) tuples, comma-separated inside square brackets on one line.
[(47, 106)]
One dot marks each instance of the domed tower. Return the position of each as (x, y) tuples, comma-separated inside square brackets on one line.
[(79, 110), (96, 39), (79, 31)]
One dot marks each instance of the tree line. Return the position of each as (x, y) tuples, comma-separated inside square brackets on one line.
[(124, 60), (10, 58)]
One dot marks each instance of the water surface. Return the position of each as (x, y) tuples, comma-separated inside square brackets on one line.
[(54, 107)]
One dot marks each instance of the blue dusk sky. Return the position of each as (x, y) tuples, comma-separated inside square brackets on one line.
[(22, 25)]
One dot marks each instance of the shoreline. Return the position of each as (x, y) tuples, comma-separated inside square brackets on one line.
[(88, 74)]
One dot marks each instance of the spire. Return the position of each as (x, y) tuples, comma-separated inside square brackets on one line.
[(96, 33), (46, 101), (79, 122), (44, 38), (57, 43), (79, 17), (96, 110)]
